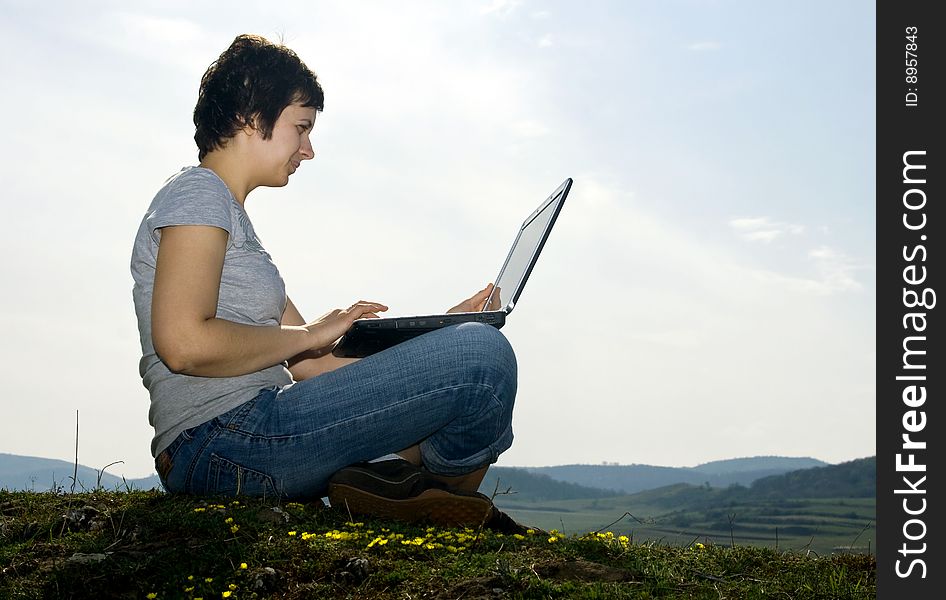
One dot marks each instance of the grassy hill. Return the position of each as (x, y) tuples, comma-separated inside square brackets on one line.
[(537, 487), (537, 483), (820, 510), (856, 479), (630, 479), (152, 545), (758, 463)]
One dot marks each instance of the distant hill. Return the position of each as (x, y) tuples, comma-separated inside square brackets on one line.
[(757, 464), (630, 479), (765, 475), (852, 479), (44, 474), (536, 486)]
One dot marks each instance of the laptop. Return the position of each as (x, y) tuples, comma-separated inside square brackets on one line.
[(368, 336)]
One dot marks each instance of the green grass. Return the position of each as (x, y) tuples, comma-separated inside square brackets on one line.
[(131, 545), (820, 525)]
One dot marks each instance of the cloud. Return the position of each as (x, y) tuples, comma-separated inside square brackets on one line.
[(501, 8), (175, 42), (744, 223), (546, 41), (530, 129), (764, 229), (836, 269), (704, 46), (766, 235)]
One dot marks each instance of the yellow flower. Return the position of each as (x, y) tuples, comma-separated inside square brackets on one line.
[(209, 580), (232, 586), (292, 533), (190, 578), (235, 529), (226, 594), (243, 565), (151, 596), (699, 545), (519, 536), (553, 539), (229, 520), (189, 589), (200, 509)]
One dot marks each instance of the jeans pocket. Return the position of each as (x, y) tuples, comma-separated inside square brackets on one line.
[(228, 478), (165, 460)]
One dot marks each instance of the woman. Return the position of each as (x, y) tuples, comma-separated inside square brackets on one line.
[(246, 396)]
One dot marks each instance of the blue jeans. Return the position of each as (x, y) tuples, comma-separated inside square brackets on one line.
[(451, 391)]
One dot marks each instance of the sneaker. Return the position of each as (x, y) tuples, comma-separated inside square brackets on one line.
[(399, 490)]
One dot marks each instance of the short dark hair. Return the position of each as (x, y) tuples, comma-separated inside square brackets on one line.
[(250, 83)]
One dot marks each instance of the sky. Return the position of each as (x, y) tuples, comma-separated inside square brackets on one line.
[(707, 292)]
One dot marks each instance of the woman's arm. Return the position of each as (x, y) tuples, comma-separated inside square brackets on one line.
[(188, 336), (313, 362)]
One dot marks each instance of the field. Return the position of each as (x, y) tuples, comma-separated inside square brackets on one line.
[(822, 525)]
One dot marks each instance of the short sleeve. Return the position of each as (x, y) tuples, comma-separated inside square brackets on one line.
[(194, 197)]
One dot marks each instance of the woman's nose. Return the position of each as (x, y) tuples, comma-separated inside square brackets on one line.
[(306, 150)]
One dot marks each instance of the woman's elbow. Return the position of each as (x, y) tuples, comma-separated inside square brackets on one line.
[(176, 353)]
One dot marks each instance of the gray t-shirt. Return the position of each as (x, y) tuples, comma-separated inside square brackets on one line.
[(251, 292)]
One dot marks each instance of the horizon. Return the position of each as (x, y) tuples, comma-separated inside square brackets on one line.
[(120, 474)]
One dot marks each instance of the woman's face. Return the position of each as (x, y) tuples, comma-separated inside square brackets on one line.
[(280, 156)]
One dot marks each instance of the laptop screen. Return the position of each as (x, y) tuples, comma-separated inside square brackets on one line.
[(525, 250)]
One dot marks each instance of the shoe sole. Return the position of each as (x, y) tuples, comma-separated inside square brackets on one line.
[(435, 506)]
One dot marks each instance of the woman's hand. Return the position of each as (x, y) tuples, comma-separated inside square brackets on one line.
[(332, 325), (477, 302)]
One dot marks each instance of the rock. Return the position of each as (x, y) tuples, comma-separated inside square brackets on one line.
[(264, 580), (80, 519), (273, 514), (354, 571), (84, 559)]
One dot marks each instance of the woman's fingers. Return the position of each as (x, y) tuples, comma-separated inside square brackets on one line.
[(363, 309), (479, 299), (366, 304)]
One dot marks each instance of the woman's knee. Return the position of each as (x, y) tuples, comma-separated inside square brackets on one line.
[(486, 346), (491, 361)]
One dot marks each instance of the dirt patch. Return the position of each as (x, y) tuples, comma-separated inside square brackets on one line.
[(582, 570)]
